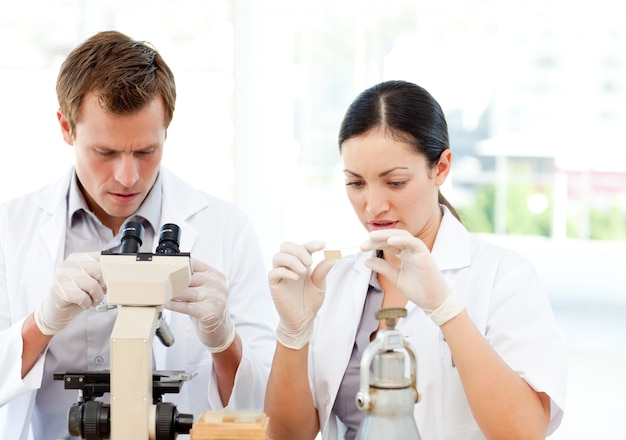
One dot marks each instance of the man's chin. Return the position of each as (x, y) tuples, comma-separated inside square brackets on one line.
[(121, 215)]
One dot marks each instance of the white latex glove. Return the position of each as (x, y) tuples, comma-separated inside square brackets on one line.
[(418, 277), (205, 301), (298, 291), (77, 286)]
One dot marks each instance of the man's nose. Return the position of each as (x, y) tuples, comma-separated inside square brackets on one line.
[(127, 170)]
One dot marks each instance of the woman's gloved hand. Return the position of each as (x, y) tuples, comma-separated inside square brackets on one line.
[(77, 286), (206, 302), (417, 276), (298, 291)]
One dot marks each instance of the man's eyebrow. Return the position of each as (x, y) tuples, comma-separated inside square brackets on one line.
[(113, 150)]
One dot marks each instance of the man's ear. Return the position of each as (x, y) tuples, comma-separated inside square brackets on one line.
[(66, 130), (443, 167)]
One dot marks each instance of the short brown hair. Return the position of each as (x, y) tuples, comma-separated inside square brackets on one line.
[(125, 75)]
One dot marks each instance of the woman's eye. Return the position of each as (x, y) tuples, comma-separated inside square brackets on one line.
[(354, 184), (397, 184)]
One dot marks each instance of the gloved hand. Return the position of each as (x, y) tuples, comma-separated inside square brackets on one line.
[(297, 291), (417, 277), (205, 301), (77, 286)]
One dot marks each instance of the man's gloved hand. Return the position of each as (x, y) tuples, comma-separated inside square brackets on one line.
[(417, 277), (77, 286), (297, 291), (205, 301)]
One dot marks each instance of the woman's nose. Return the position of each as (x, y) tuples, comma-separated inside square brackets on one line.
[(376, 202)]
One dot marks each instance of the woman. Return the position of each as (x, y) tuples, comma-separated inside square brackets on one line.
[(491, 359)]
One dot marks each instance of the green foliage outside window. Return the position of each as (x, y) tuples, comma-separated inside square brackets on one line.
[(520, 220), (605, 223), (479, 216), (608, 224)]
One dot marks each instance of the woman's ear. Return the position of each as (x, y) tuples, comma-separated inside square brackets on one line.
[(66, 130), (443, 167)]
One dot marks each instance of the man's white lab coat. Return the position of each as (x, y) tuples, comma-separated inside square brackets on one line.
[(32, 239)]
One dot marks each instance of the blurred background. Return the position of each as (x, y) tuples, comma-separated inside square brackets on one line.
[(534, 92)]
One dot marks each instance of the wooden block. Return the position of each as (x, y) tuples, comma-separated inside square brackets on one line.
[(216, 425)]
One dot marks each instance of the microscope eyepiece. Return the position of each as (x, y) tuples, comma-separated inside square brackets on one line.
[(169, 239), (169, 242), (132, 237)]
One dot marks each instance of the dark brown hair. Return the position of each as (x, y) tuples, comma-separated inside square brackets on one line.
[(407, 112)]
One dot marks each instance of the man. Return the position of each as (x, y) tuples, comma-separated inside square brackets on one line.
[(116, 99)]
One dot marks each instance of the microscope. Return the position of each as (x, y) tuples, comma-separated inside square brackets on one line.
[(386, 396), (138, 285)]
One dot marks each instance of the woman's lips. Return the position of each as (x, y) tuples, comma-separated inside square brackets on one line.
[(382, 224)]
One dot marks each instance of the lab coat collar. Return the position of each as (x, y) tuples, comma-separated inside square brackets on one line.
[(179, 210), (49, 196), (452, 247), (52, 200)]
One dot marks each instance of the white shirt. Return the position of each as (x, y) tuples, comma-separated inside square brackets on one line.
[(504, 299)]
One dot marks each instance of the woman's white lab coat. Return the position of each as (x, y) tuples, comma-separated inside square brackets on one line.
[(504, 299), (32, 239)]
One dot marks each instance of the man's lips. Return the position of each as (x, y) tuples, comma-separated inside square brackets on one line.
[(124, 198), (382, 224)]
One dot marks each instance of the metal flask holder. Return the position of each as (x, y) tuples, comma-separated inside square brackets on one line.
[(386, 395)]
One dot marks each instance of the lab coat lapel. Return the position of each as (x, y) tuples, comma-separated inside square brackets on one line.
[(179, 209), (452, 247), (336, 332), (52, 201)]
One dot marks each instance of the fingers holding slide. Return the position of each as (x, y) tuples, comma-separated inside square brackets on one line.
[(398, 239), (293, 260)]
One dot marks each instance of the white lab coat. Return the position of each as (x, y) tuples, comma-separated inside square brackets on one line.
[(32, 239), (504, 299)]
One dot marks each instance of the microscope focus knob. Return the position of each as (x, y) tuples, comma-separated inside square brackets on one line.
[(95, 420), (170, 422)]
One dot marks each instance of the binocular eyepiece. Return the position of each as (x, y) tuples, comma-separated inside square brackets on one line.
[(132, 238)]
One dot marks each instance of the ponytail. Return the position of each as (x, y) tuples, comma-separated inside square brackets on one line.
[(444, 201)]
